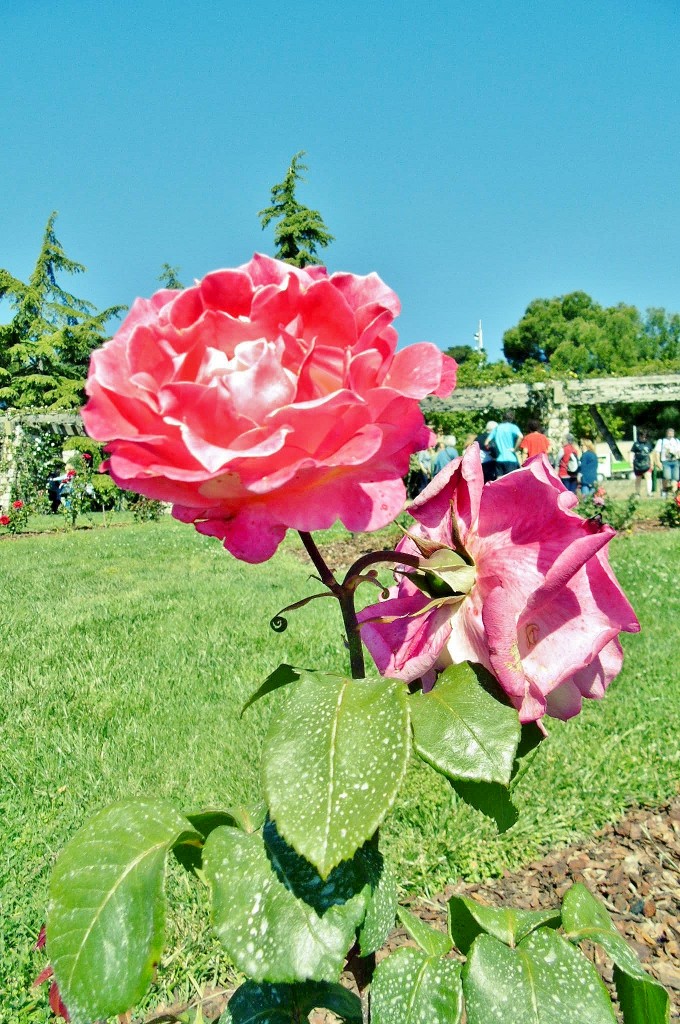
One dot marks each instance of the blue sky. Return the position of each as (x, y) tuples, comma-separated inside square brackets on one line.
[(476, 155)]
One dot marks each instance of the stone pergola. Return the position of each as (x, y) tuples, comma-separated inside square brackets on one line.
[(550, 399)]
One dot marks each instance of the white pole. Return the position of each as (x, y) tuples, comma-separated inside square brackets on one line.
[(479, 338)]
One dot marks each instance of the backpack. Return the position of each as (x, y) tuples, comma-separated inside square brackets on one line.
[(572, 464)]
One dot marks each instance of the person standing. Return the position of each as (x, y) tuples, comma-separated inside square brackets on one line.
[(506, 436), (642, 462), (447, 453), (488, 451), (534, 442), (567, 467), (667, 450), (589, 467)]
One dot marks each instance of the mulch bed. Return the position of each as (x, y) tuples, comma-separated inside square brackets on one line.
[(634, 866)]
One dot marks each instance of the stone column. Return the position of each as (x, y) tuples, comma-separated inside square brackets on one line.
[(11, 434)]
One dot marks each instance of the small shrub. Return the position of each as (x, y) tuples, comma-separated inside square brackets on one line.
[(670, 513), (15, 520), (145, 510), (617, 514)]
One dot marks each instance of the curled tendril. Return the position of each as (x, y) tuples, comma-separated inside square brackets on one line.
[(370, 577), (279, 624)]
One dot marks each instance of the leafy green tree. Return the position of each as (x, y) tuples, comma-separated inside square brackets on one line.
[(45, 348), (300, 231), (168, 277)]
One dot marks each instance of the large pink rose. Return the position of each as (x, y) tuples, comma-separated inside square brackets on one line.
[(522, 585), (264, 398)]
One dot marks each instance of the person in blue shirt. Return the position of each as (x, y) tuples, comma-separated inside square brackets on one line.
[(447, 453), (588, 467), (506, 436)]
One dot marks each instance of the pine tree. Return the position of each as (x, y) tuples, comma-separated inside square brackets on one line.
[(45, 348), (300, 230), (168, 277)]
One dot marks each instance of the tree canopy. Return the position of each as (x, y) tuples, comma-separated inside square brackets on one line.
[(45, 348), (576, 335), (300, 231)]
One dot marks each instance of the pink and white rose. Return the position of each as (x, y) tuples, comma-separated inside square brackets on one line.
[(263, 398), (523, 587)]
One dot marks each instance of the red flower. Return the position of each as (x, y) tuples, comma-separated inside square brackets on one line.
[(71, 473), (87, 456), (17, 504), (4, 520)]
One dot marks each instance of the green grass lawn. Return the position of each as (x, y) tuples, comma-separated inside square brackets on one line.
[(126, 656)]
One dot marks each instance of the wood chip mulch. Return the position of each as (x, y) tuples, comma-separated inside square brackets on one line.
[(634, 867)]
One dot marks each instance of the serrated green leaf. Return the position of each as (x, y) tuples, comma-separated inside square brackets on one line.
[(643, 1000), (462, 731), (281, 676), (268, 930), (431, 940), (490, 798), (380, 913), (410, 987), (283, 1004), (543, 981), (467, 919), (333, 763), (106, 916)]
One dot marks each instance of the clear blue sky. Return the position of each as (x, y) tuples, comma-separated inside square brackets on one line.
[(476, 155)]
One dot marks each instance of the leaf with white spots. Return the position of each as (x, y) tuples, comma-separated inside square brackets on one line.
[(333, 762), (468, 919), (410, 987), (274, 914), (106, 916), (283, 1004), (462, 731), (544, 980), (643, 1000), (381, 912), (431, 940)]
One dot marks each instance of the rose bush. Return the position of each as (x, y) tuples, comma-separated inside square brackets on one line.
[(263, 398), (515, 581)]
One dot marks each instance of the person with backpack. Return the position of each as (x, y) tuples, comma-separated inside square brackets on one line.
[(642, 462), (568, 464)]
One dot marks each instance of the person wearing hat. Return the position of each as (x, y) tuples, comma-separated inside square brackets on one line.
[(567, 467)]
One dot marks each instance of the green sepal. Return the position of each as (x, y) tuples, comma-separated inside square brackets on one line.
[(467, 919), (106, 916), (410, 987), (281, 676), (431, 940), (544, 980), (464, 732), (333, 762), (643, 1000), (289, 1004), (274, 914)]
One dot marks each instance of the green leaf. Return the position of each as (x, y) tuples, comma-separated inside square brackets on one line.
[(333, 762), (543, 981), (490, 798), (281, 676), (462, 731), (380, 913), (642, 998), (262, 894), (106, 916), (283, 1004), (410, 987), (468, 919), (430, 940), (248, 819)]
